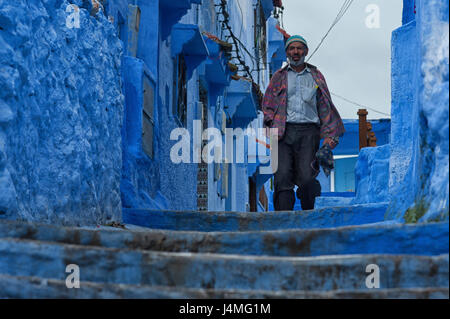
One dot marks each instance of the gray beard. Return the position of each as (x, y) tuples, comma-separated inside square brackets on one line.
[(297, 63)]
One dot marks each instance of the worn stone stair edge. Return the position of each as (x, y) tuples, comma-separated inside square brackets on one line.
[(271, 213), (137, 228), (232, 221), (365, 239), (35, 287), (168, 231), (246, 215), (345, 240), (214, 256), (48, 260), (201, 255)]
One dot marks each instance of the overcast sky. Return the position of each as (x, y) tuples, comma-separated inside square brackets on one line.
[(355, 59)]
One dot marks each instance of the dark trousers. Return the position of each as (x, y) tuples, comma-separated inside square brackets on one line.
[(297, 165)]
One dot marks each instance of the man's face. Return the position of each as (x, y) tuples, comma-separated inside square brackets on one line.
[(296, 51)]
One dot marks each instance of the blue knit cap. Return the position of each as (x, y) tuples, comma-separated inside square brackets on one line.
[(295, 38)]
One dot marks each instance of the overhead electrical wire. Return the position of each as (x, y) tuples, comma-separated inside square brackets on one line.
[(239, 45), (359, 105), (344, 8)]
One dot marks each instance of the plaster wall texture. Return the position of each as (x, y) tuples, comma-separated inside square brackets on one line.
[(157, 182), (140, 172), (241, 20), (372, 175), (418, 163), (178, 182), (61, 112), (420, 190), (434, 101), (404, 108), (141, 177)]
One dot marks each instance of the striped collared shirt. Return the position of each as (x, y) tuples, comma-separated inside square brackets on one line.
[(302, 97)]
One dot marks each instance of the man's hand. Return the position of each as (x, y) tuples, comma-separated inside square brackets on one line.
[(330, 142)]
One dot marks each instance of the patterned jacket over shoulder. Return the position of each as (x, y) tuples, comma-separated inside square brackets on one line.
[(275, 104)]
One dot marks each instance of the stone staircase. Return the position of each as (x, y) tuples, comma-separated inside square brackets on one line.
[(313, 254)]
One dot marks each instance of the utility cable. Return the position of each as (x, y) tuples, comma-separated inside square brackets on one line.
[(359, 105), (345, 6)]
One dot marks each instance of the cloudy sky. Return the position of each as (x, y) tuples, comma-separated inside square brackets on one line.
[(355, 59)]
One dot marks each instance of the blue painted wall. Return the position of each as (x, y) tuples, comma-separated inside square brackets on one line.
[(61, 110), (141, 176), (164, 28), (420, 189), (345, 174), (372, 175), (349, 145), (349, 142), (81, 134), (418, 160)]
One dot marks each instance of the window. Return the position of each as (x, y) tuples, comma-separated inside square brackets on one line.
[(148, 123), (180, 90)]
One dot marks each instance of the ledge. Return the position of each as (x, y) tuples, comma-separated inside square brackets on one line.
[(187, 40), (242, 103), (173, 11), (216, 69)]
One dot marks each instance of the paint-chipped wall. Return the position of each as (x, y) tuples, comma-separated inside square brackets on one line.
[(60, 114), (372, 175), (141, 178), (422, 193), (418, 171)]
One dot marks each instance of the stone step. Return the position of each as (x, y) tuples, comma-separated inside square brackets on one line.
[(138, 267), (328, 201), (235, 221), (416, 239), (35, 287)]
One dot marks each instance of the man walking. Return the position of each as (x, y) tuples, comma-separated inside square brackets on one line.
[(297, 103)]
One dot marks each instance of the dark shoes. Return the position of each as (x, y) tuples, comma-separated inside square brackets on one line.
[(285, 200)]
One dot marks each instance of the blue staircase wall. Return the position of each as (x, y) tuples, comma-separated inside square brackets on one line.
[(419, 175), (61, 110)]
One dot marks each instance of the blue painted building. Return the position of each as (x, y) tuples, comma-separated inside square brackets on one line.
[(61, 113), (92, 97), (120, 77), (178, 66), (187, 53), (88, 104), (412, 172), (93, 90)]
